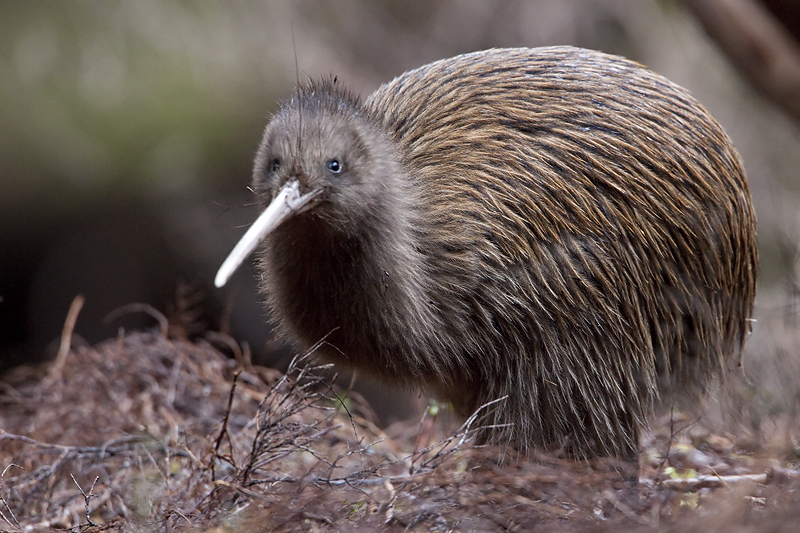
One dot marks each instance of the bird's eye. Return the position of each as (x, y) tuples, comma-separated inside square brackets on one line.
[(274, 166), (334, 166)]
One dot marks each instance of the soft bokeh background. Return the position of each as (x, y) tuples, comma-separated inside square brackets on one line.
[(127, 131)]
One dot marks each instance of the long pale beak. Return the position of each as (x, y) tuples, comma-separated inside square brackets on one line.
[(286, 203)]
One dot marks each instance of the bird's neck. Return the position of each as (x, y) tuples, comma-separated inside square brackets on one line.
[(363, 285)]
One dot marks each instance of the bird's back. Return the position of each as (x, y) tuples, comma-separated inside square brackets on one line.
[(587, 222)]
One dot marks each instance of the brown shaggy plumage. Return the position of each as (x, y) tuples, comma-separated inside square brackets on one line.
[(555, 225)]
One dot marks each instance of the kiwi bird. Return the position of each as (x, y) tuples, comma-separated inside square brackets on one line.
[(558, 227)]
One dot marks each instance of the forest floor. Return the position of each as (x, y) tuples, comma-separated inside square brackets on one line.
[(151, 432)]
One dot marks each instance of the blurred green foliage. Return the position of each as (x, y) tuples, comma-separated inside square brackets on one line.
[(119, 99)]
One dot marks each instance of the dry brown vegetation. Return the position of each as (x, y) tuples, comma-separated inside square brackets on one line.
[(151, 432)]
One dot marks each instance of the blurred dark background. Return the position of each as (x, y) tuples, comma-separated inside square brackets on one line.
[(127, 131)]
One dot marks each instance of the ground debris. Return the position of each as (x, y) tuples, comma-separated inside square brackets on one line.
[(148, 433)]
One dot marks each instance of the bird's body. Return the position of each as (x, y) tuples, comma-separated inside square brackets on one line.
[(555, 225)]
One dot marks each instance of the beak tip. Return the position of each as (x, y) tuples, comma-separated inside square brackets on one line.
[(221, 278)]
